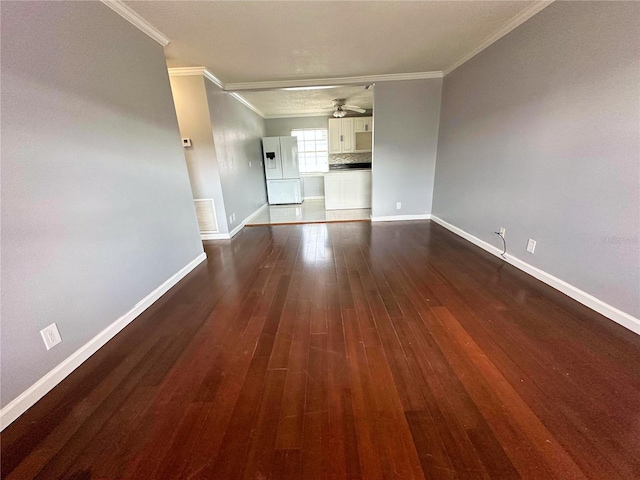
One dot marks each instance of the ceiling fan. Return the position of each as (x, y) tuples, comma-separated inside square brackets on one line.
[(340, 108)]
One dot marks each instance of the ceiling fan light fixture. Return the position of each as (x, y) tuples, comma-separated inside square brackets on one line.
[(339, 113)]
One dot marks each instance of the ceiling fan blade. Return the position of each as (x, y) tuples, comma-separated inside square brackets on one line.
[(353, 108)]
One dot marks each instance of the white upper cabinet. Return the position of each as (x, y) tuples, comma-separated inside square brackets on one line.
[(341, 135), (348, 142), (335, 130), (363, 134), (362, 124), (347, 135)]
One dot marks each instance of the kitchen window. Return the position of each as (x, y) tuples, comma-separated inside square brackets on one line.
[(313, 151)]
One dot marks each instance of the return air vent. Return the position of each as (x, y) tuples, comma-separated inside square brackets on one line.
[(206, 213)]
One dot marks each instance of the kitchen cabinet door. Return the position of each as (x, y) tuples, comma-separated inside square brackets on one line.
[(335, 144), (350, 186), (348, 140), (346, 190), (341, 135), (332, 192), (362, 124)]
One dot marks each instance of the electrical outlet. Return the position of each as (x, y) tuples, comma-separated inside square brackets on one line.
[(250, 165), (51, 336), (398, 205), (531, 246), (230, 218), (502, 231)]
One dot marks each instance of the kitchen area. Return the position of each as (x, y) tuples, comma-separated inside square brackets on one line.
[(334, 154), (347, 185)]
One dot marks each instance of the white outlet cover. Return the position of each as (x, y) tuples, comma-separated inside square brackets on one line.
[(503, 231), (51, 336), (398, 205), (531, 246)]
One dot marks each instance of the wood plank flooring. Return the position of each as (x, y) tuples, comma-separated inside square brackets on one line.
[(346, 351)]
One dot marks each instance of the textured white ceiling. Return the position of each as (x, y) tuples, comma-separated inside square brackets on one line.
[(264, 41), (291, 103)]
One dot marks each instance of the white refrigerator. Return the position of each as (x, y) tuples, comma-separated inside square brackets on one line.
[(281, 170)]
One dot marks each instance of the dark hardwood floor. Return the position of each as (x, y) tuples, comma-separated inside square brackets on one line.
[(348, 350)]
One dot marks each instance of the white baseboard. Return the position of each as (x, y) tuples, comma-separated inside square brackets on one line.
[(235, 231), (318, 197), (214, 236), (401, 218), (39, 389), (609, 311), (232, 233), (244, 222)]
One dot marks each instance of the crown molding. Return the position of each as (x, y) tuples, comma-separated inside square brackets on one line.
[(233, 88), (128, 14), (246, 103), (188, 71), (185, 71), (212, 78), (203, 71), (320, 82), (516, 21)]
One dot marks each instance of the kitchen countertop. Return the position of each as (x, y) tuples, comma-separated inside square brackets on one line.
[(347, 170), (349, 166)]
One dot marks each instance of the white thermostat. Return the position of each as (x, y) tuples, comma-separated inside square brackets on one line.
[(186, 142)]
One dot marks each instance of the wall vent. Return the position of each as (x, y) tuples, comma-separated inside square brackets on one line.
[(206, 213)]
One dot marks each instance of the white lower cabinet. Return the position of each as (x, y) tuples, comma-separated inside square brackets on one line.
[(350, 189)]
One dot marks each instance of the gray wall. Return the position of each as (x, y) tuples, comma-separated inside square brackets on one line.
[(540, 134), (96, 203), (192, 109), (237, 134), (405, 138)]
